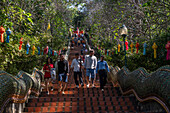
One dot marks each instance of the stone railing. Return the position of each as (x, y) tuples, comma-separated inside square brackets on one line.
[(16, 90), (150, 88)]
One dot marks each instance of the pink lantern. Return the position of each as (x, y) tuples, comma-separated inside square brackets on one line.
[(126, 43), (168, 50)]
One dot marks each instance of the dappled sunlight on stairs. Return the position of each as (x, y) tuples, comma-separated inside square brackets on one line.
[(82, 100)]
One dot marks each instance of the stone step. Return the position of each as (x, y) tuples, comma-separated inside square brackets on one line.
[(80, 99), (86, 108)]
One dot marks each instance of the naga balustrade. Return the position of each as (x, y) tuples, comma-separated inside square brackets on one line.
[(147, 87), (16, 90), (152, 90)]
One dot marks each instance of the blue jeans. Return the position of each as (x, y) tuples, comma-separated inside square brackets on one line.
[(80, 78), (63, 77), (90, 73)]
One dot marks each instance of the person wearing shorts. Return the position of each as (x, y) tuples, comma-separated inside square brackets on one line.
[(62, 73), (90, 64), (47, 76)]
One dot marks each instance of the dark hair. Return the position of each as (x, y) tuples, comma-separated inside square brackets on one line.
[(92, 50), (61, 54), (51, 61), (102, 56), (77, 54)]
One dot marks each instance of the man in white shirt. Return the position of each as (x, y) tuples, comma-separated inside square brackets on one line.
[(90, 64), (77, 65)]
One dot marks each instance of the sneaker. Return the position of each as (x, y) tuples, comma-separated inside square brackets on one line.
[(63, 92), (88, 85), (77, 86), (52, 88), (102, 89), (82, 85), (59, 90), (53, 82), (47, 92), (93, 86)]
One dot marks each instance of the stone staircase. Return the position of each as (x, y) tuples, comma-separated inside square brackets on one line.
[(83, 99)]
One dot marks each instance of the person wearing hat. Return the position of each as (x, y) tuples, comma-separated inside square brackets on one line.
[(101, 71)]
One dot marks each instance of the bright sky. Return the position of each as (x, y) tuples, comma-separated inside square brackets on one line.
[(79, 7)]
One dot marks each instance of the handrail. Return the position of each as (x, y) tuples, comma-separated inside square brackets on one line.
[(154, 86), (16, 89)]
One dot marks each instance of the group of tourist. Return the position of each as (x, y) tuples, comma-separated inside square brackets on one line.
[(88, 64)]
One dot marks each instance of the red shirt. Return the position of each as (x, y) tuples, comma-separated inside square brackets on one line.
[(46, 67)]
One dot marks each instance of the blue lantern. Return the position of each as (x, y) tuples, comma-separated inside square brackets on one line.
[(38, 48), (28, 46), (51, 51), (42, 52), (144, 48), (107, 52), (8, 32), (55, 53)]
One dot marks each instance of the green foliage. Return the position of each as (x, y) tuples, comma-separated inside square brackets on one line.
[(147, 61), (29, 19)]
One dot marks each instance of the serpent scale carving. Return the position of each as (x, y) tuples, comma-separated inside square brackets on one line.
[(16, 89), (146, 86)]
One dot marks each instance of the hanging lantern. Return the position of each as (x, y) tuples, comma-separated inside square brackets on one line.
[(154, 47), (49, 51), (59, 52), (46, 50), (137, 47), (42, 51), (107, 52), (112, 52), (168, 50), (131, 45), (8, 32), (2, 30), (21, 42), (27, 46), (38, 48), (119, 47), (33, 49), (144, 48), (126, 43), (55, 53)]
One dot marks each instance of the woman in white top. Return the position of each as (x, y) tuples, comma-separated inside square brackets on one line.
[(77, 66)]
